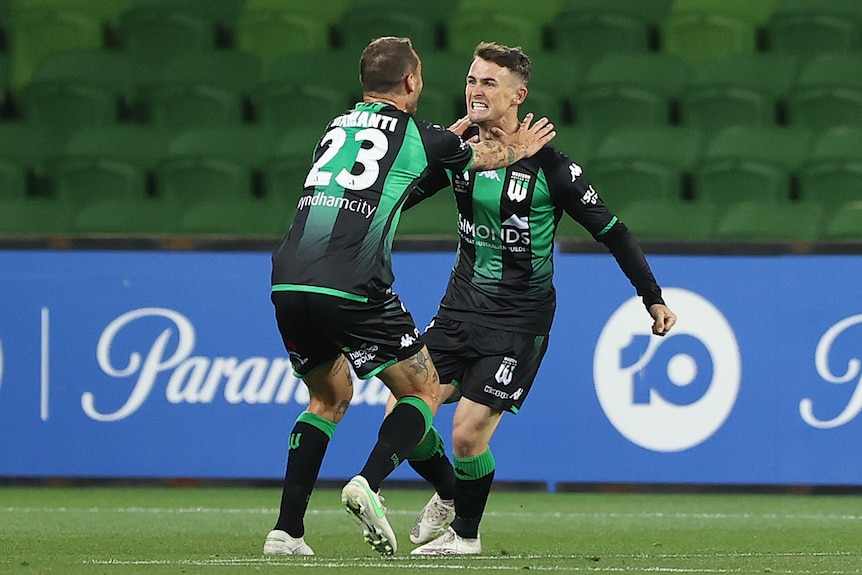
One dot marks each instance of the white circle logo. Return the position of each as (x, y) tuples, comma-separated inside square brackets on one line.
[(672, 393)]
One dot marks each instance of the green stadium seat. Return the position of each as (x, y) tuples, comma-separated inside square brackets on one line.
[(624, 181), (591, 34), (828, 92), (360, 24), (833, 173), (724, 180), (466, 30), (559, 74), (64, 107), (77, 181), (106, 68), (785, 146), (33, 217), (272, 34), (102, 10), (770, 221), (13, 179), (630, 89), (537, 11), (755, 11), (38, 32), (189, 179), (236, 217), (810, 27), (579, 143), (156, 35), (436, 216), (207, 163), (316, 68), (807, 35), (142, 145), (750, 163), (328, 11), (844, 222), (138, 216), (233, 69), (636, 163), (669, 220), (698, 37), (194, 105), (247, 145), (288, 106), (22, 150), (678, 146), (109, 70), (737, 89), (217, 11), (199, 89)]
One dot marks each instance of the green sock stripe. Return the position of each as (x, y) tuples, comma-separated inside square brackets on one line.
[(431, 445), (324, 425), (421, 406), (475, 467)]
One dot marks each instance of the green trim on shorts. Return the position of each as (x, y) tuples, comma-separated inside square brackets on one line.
[(378, 369), (431, 445), (421, 406), (320, 290), (475, 467), (321, 423), (456, 397)]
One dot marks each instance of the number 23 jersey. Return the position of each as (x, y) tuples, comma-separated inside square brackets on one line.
[(365, 166)]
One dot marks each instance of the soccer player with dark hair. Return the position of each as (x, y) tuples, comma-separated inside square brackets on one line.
[(491, 330), (332, 282)]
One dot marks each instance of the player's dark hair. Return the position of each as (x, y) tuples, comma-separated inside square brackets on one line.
[(385, 62), (512, 58)]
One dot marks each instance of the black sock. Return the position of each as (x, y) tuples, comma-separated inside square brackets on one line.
[(430, 462), (399, 434), (474, 476), (308, 442), (437, 470), (470, 504)]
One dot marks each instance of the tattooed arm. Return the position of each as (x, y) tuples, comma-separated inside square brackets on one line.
[(507, 149)]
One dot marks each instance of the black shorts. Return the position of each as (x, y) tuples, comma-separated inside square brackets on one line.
[(316, 328), (490, 366)]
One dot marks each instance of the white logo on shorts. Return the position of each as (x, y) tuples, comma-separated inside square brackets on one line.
[(504, 372), (672, 393)]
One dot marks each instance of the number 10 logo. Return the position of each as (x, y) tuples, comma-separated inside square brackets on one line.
[(672, 393)]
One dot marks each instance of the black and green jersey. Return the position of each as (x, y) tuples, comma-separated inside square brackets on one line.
[(507, 219), (364, 167)]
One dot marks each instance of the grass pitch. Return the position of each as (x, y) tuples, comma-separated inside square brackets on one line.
[(154, 531)]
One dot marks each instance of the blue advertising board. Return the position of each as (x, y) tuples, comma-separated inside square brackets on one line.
[(169, 364)]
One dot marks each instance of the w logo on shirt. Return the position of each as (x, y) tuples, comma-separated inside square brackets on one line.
[(505, 371), (518, 185)]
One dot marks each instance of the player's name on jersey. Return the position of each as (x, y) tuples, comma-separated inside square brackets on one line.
[(362, 119)]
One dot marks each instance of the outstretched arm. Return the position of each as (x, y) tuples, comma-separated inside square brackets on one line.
[(507, 149)]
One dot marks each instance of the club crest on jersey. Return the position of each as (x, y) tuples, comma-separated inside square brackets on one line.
[(518, 185)]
